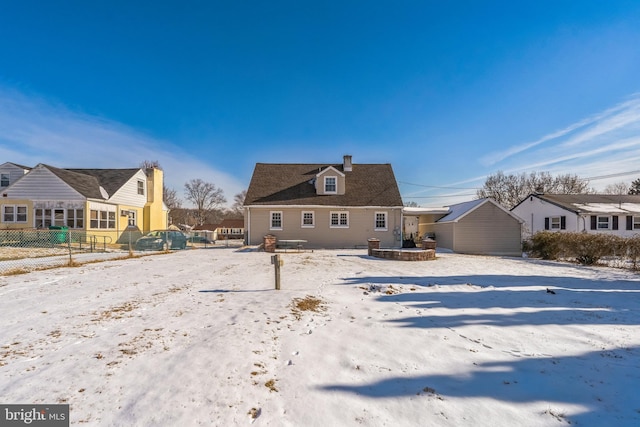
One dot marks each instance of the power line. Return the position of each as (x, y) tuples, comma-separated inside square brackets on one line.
[(435, 186), (437, 197), (613, 175), (594, 178)]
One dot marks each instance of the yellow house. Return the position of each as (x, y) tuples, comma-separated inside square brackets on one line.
[(104, 203)]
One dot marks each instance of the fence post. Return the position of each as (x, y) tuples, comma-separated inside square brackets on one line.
[(69, 247), (277, 262)]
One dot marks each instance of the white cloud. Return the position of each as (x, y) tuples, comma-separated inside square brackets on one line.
[(605, 143), (602, 128), (38, 131)]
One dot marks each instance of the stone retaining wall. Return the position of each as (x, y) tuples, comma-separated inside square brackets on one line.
[(400, 255)]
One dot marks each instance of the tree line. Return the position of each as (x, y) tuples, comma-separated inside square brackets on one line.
[(509, 190), (207, 200)]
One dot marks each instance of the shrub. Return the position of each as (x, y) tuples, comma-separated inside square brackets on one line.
[(545, 245), (585, 248), (633, 250), (588, 248)]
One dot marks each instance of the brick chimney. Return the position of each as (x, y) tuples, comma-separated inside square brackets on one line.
[(347, 166)]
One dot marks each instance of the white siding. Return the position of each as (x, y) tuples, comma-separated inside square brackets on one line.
[(42, 184), (14, 172), (128, 193), (533, 211)]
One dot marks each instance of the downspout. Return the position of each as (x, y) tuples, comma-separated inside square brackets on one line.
[(248, 226), (531, 230), (401, 228)]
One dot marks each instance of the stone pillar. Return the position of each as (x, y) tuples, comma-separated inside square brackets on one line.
[(373, 244), (269, 243), (428, 244)]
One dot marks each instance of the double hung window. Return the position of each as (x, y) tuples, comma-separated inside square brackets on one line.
[(308, 219), (603, 222), (339, 219), (14, 213), (276, 220), (380, 221), (330, 184)]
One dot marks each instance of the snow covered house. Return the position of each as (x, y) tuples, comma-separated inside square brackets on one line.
[(481, 227), (326, 205), (592, 213), (100, 202)]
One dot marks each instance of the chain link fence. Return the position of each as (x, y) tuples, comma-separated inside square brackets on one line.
[(26, 250)]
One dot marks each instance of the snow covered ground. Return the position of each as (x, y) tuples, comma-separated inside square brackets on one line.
[(200, 337)]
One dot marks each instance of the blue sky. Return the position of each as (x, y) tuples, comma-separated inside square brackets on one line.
[(448, 92)]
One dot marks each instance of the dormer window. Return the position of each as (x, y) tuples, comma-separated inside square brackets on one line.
[(330, 184)]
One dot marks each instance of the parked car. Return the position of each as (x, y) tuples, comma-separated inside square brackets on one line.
[(160, 240), (201, 239)]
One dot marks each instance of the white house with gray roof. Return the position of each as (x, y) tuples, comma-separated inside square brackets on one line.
[(591, 213)]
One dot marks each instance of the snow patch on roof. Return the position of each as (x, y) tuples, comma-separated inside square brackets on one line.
[(608, 208), (461, 209)]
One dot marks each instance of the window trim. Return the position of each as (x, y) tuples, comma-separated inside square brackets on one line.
[(103, 220), (77, 219), (386, 221), (635, 222), (339, 214), (313, 219), (43, 217), (599, 223), (15, 214), (5, 180), (140, 187), (271, 217), (335, 184)]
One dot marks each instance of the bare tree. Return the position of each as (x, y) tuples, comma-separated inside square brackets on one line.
[(150, 164), (170, 198), (205, 196), (509, 190), (617, 188), (238, 203)]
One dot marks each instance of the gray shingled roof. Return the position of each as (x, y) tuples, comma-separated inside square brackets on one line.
[(110, 179), (20, 166), (289, 184), (88, 181), (84, 184), (579, 203)]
